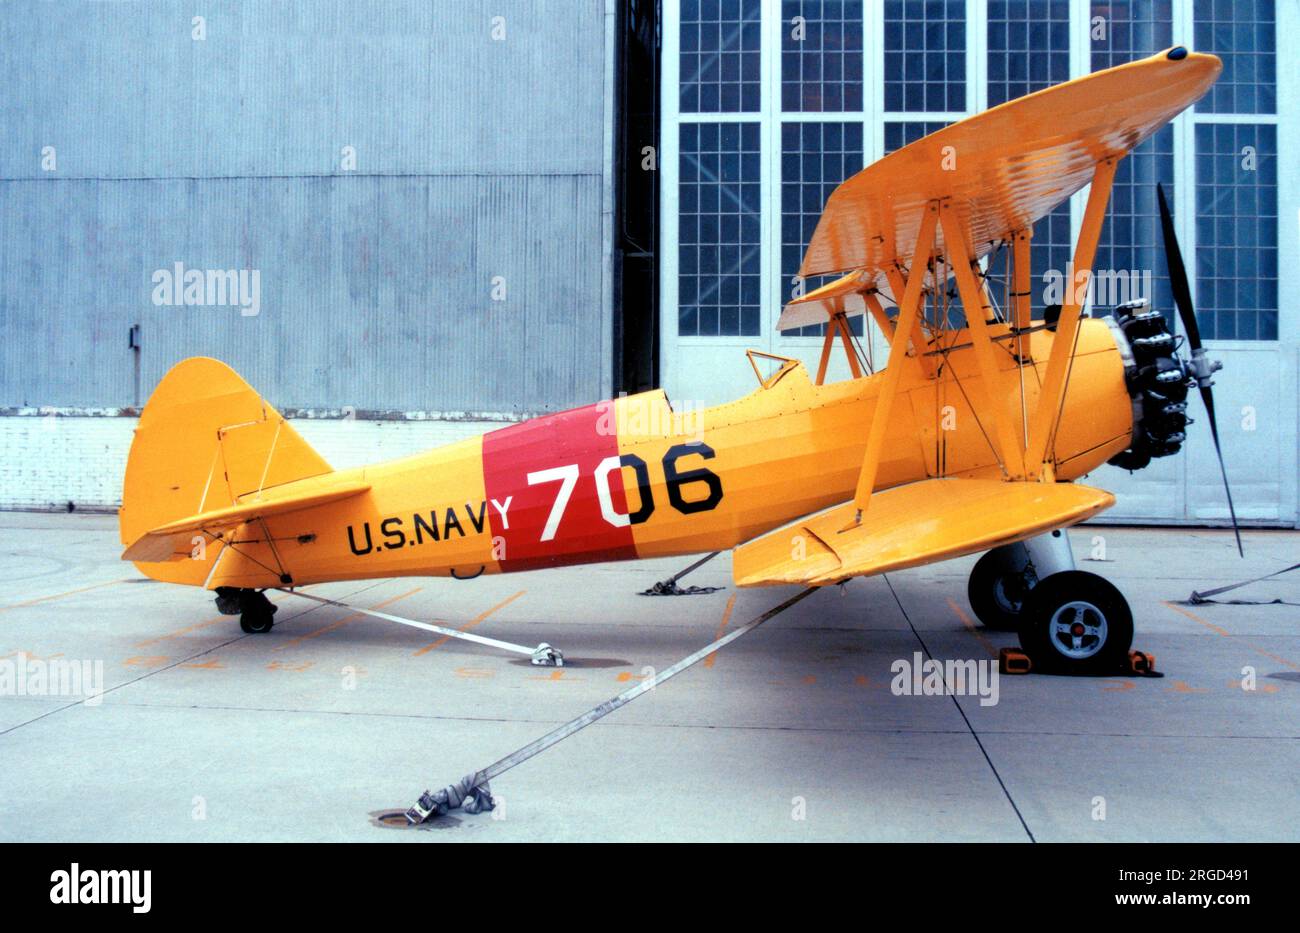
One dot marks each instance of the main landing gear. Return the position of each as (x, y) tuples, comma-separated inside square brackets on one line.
[(1068, 620), (255, 611)]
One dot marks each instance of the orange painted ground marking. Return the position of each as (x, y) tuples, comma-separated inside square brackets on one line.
[(141, 660), (625, 676), (470, 624), (970, 627), (339, 623), (556, 676), (1195, 618), (190, 628), (1123, 686), (472, 672), (293, 668), (1181, 686), (32, 655), (43, 599), (722, 626), (182, 631), (206, 665), (1275, 657), (1214, 628), (1261, 688)]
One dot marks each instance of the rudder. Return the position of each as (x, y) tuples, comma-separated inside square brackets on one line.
[(205, 439)]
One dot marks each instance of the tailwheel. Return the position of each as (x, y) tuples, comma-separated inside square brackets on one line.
[(998, 586), (256, 612), (1076, 622)]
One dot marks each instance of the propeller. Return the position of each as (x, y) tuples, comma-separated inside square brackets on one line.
[(1201, 367)]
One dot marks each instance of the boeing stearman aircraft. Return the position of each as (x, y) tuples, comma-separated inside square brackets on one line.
[(971, 437)]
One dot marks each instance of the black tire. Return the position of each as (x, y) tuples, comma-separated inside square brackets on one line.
[(1076, 622), (256, 623), (258, 615), (997, 591)]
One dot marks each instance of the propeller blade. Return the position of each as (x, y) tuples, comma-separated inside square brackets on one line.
[(1178, 282), (1207, 396), (1201, 367)]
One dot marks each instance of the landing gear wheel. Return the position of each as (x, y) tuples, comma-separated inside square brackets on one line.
[(1076, 622), (997, 590), (257, 613)]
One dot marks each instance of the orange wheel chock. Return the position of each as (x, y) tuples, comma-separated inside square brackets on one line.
[(1141, 662), (1014, 661)]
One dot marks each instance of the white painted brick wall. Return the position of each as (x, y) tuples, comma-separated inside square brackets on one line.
[(47, 462)]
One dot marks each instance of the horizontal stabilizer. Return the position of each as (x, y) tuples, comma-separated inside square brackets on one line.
[(920, 523), (174, 540)]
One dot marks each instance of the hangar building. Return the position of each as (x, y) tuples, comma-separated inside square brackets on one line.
[(406, 222)]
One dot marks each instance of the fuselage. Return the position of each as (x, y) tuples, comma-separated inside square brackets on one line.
[(637, 477)]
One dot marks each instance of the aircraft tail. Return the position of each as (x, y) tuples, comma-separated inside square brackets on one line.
[(205, 440)]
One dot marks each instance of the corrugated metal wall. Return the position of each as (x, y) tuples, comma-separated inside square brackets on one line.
[(476, 158)]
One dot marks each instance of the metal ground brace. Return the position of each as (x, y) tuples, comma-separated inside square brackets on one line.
[(475, 786), (543, 655)]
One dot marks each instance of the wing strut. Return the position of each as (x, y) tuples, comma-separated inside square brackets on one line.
[(977, 315), (909, 305), (1052, 397)]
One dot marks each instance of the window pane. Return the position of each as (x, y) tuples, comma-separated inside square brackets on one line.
[(815, 158), (1029, 47), (1130, 260), (1244, 35), (899, 133), (821, 55), (718, 242), (925, 55), (1124, 30), (1236, 231), (719, 56)]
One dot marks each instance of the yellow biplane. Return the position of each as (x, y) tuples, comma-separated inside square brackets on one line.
[(970, 439)]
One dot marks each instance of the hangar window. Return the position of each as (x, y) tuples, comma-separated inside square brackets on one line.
[(1236, 230), (1130, 253), (821, 55), (1028, 47), (815, 158), (1131, 248), (1244, 34), (1028, 50), (719, 57), (1236, 196), (899, 133), (925, 55), (718, 230), (860, 79)]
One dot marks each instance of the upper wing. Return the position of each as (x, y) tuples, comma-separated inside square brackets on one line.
[(920, 523), (1001, 170)]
